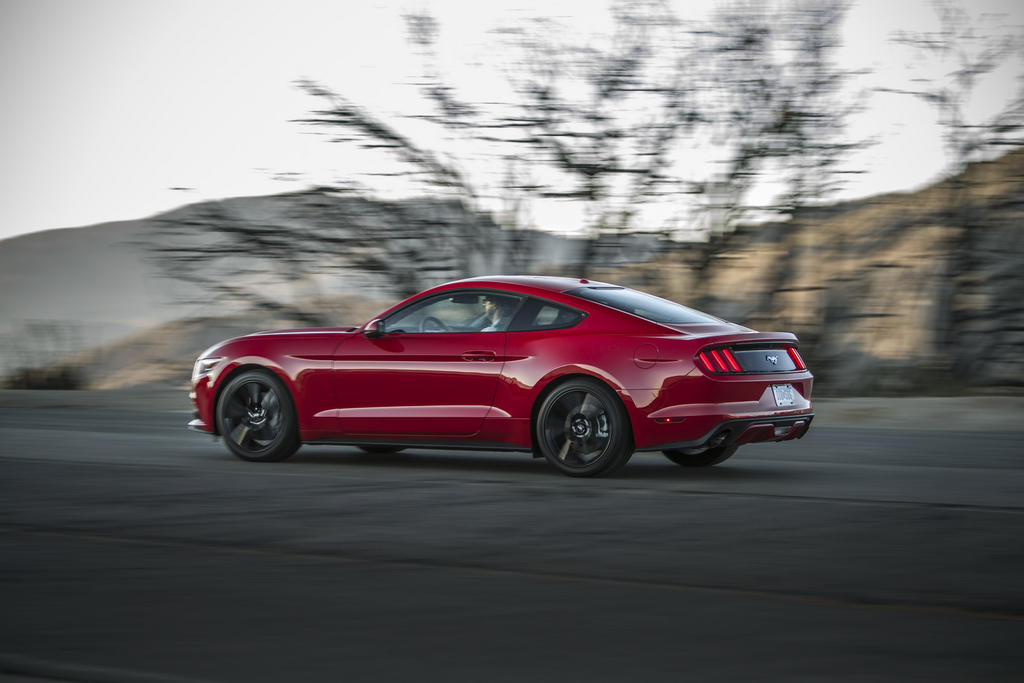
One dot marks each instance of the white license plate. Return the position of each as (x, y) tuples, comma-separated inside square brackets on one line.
[(784, 394)]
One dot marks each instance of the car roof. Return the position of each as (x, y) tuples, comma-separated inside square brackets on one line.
[(543, 282)]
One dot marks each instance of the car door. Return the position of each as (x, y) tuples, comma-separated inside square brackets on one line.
[(429, 370)]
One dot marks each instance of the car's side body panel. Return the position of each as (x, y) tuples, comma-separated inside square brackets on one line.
[(417, 383)]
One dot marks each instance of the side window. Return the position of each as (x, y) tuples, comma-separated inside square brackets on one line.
[(543, 315), (456, 312)]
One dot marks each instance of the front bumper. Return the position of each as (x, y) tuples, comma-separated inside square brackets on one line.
[(197, 424)]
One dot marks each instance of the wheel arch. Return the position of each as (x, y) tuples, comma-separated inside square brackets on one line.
[(225, 379), (556, 382)]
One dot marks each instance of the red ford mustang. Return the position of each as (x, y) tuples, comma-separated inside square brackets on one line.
[(580, 372)]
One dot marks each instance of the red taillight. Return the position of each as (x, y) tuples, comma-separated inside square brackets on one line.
[(718, 361), (708, 367), (733, 365), (797, 360)]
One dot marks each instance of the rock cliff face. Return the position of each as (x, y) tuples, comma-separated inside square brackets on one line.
[(918, 292)]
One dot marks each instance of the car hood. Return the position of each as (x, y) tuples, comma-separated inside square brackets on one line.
[(222, 346), (304, 330)]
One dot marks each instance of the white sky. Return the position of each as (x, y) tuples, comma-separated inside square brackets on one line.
[(108, 104)]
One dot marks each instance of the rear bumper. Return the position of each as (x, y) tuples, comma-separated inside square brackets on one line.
[(747, 430)]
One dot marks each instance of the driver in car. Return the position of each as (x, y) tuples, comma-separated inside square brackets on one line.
[(497, 314)]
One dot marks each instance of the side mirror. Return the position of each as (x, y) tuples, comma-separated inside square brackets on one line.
[(374, 329)]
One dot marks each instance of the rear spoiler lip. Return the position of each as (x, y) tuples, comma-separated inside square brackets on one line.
[(754, 339)]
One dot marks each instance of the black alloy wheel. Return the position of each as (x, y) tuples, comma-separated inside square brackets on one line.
[(711, 456), (256, 417), (582, 429)]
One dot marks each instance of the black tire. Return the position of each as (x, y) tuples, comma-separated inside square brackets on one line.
[(381, 449), (256, 417), (711, 456), (583, 429)]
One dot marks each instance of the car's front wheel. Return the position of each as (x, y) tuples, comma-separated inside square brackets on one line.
[(256, 418), (583, 429), (711, 456)]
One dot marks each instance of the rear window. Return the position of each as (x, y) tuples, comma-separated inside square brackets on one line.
[(643, 305)]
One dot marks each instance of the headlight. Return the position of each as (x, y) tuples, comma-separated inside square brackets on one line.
[(203, 367)]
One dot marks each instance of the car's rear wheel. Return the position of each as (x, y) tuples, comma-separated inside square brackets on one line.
[(256, 418), (711, 456), (583, 429)]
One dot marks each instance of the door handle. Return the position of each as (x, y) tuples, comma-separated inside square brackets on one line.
[(479, 355)]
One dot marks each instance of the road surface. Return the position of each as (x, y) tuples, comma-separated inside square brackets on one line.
[(884, 548)]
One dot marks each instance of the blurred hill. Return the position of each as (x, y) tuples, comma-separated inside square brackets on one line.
[(95, 279), (118, 288), (906, 293), (165, 353)]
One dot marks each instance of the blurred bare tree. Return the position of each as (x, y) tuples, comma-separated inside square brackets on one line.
[(973, 53), (613, 125), (779, 109), (599, 123), (237, 260), (774, 107), (269, 254), (593, 126)]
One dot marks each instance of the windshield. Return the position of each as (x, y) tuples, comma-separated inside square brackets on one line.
[(644, 305)]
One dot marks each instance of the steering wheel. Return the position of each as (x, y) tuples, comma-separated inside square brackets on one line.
[(432, 324)]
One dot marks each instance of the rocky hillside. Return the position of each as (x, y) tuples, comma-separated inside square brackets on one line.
[(917, 292)]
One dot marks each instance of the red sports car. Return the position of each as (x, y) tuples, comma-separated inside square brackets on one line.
[(582, 373)]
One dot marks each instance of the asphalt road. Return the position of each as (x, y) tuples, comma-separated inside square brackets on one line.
[(132, 550)]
